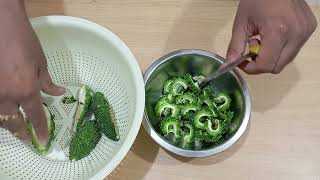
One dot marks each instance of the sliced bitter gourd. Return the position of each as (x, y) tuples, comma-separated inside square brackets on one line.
[(165, 108), (84, 100), (171, 125), (167, 86), (102, 112), (222, 102), (40, 148), (187, 98), (178, 86)]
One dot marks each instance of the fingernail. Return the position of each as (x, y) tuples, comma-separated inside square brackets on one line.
[(43, 140), (62, 89)]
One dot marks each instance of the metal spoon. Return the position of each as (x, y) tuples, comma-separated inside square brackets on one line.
[(230, 65)]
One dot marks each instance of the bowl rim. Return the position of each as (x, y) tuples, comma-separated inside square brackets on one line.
[(206, 152), (58, 20)]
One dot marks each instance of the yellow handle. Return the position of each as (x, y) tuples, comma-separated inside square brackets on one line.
[(254, 50)]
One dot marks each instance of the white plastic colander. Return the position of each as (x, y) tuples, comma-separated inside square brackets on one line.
[(80, 52)]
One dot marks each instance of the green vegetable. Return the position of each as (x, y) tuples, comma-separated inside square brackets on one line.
[(199, 78), (187, 135), (165, 108), (208, 102), (171, 125), (101, 110), (208, 92), (215, 112), (178, 86), (222, 101), (194, 86), (189, 107), (166, 98), (210, 105), (200, 117), (200, 135), (187, 98), (170, 97), (84, 140), (84, 100), (40, 148), (214, 129), (191, 116), (167, 86), (69, 100)]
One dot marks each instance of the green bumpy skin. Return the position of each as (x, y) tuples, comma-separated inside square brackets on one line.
[(227, 120), (194, 86), (84, 101), (215, 112), (178, 86), (202, 135), (101, 110), (84, 140), (208, 92), (214, 132), (187, 98), (42, 149), (204, 113), (189, 107), (222, 101), (165, 108), (171, 125), (188, 135), (208, 103), (225, 114), (166, 99), (167, 86)]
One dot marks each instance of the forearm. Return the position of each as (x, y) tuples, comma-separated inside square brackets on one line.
[(12, 12)]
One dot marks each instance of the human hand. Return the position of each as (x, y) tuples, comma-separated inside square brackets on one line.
[(23, 74), (283, 27)]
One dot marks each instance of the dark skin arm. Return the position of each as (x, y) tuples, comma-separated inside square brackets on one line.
[(23, 72)]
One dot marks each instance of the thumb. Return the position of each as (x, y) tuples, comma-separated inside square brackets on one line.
[(237, 43), (48, 86)]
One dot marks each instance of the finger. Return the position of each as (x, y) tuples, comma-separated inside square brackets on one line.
[(289, 53), (35, 114), (272, 43), (48, 86), (16, 125), (287, 56), (8, 108), (18, 128), (238, 41)]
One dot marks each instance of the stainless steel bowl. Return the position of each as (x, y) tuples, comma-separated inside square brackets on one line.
[(196, 61)]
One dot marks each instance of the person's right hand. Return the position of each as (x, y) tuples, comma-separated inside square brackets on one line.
[(284, 26), (23, 73)]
